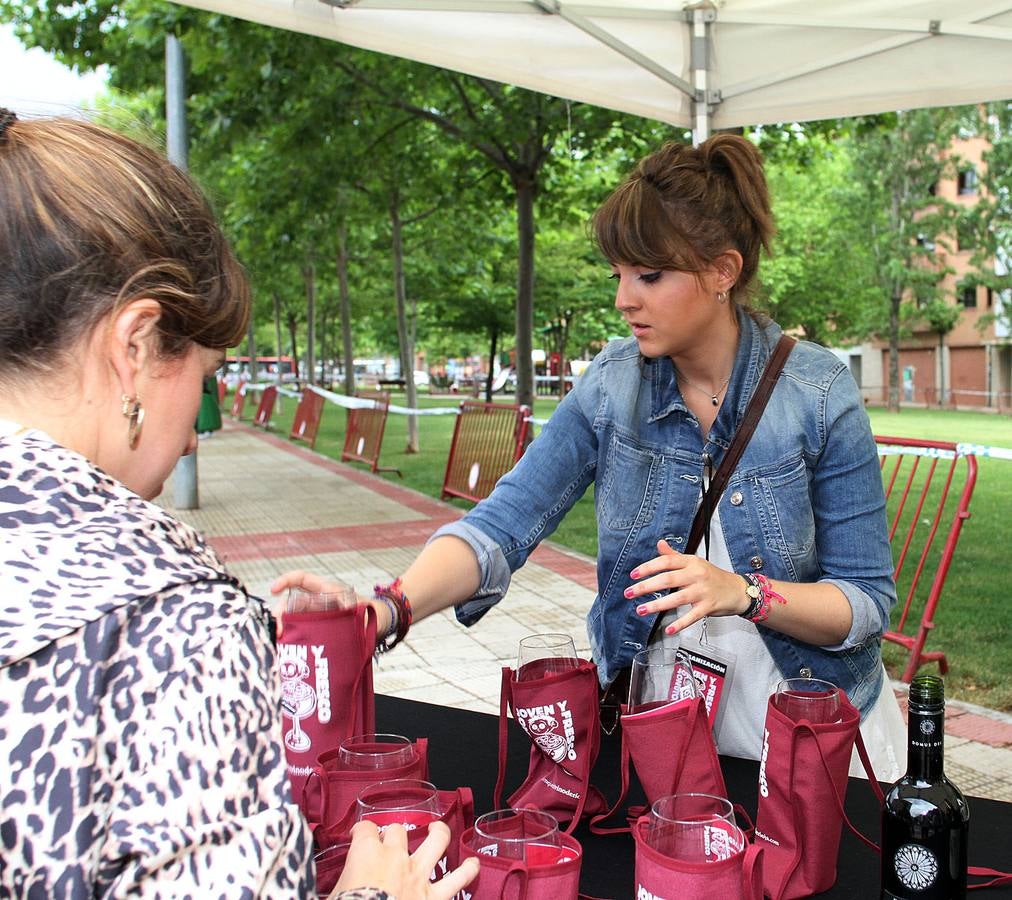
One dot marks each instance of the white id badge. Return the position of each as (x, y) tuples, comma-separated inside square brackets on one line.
[(714, 671)]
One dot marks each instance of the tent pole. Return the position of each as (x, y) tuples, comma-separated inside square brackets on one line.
[(701, 18)]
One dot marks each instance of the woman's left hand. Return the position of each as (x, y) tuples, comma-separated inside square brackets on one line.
[(690, 580)]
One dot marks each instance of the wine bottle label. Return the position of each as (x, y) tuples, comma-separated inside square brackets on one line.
[(926, 731), (916, 867)]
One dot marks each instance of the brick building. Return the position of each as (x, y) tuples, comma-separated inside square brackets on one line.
[(973, 367)]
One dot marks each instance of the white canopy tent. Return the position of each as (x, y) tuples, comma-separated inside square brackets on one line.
[(701, 65)]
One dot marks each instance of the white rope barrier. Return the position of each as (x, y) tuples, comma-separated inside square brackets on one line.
[(962, 449)]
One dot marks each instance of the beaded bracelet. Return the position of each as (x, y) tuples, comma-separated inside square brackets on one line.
[(400, 606)]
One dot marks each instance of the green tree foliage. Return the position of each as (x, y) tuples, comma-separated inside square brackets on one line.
[(820, 278), (898, 161)]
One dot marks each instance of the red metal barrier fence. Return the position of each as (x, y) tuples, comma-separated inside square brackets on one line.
[(364, 435), (926, 495), (239, 400), (306, 423), (488, 439), (265, 409)]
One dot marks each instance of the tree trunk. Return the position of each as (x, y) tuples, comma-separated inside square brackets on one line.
[(894, 351), (277, 335), (525, 292), (404, 344), (251, 350), (309, 279), (491, 365), (941, 369), (293, 337), (347, 351)]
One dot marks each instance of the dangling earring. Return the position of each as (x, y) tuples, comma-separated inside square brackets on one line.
[(134, 413), (722, 296)]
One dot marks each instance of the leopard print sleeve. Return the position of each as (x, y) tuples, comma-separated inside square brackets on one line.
[(140, 719), (200, 801)]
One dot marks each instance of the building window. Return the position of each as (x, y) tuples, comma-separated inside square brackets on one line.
[(926, 242), (969, 297), (990, 298), (968, 181)]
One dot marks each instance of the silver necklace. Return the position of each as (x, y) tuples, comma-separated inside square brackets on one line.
[(713, 397)]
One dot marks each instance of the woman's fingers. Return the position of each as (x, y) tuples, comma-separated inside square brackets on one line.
[(294, 579), (433, 848), (453, 882), (397, 837)]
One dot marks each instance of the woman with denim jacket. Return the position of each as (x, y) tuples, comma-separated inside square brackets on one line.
[(802, 517)]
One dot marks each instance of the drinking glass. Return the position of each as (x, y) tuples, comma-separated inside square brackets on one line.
[(696, 828), (660, 676), (526, 834), (545, 654), (300, 600), (376, 751), (400, 801), (811, 699)]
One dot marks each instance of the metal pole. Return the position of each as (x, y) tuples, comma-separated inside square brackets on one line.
[(699, 62), (185, 492)]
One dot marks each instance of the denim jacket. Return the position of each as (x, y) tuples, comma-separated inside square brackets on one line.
[(804, 504)]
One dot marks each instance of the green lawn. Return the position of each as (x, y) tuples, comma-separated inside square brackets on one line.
[(974, 617)]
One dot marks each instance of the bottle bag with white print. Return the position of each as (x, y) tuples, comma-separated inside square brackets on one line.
[(325, 664), (552, 874), (672, 749), (558, 711), (456, 812), (733, 873), (803, 772)]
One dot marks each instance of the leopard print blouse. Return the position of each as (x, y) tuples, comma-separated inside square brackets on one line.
[(140, 730)]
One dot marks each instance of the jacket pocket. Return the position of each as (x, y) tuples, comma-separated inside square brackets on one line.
[(784, 509), (625, 496)]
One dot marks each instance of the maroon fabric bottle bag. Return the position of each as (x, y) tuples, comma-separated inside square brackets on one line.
[(331, 788), (553, 875), (672, 750), (456, 811), (739, 877), (325, 664), (803, 770), (558, 711)]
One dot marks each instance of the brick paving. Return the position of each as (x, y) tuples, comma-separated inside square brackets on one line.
[(270, 506)]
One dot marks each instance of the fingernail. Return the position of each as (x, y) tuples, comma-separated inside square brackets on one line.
[(628, 593), (635, 573), (670, 629), (642, 610)]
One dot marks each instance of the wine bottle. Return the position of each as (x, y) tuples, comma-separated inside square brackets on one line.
[(925, 819)]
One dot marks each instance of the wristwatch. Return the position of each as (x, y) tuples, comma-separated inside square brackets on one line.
[(754, 592)]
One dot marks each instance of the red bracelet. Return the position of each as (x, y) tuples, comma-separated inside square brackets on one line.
[(393, 595)]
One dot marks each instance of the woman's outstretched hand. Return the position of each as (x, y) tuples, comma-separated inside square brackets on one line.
[(382, 861), (316, 584), (687, 580)]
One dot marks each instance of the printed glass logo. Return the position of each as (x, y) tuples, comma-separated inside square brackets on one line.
[(916, 867)]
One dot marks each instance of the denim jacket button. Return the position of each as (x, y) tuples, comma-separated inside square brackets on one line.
[(805, 672), (736, 498), (756, 562)]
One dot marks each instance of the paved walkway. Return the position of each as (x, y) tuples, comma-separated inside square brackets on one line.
[(269, 506)]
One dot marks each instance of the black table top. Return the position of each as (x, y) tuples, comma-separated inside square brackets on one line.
[(463, 749)]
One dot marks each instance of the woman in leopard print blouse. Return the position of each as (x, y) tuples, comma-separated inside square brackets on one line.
[(140, 726)]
